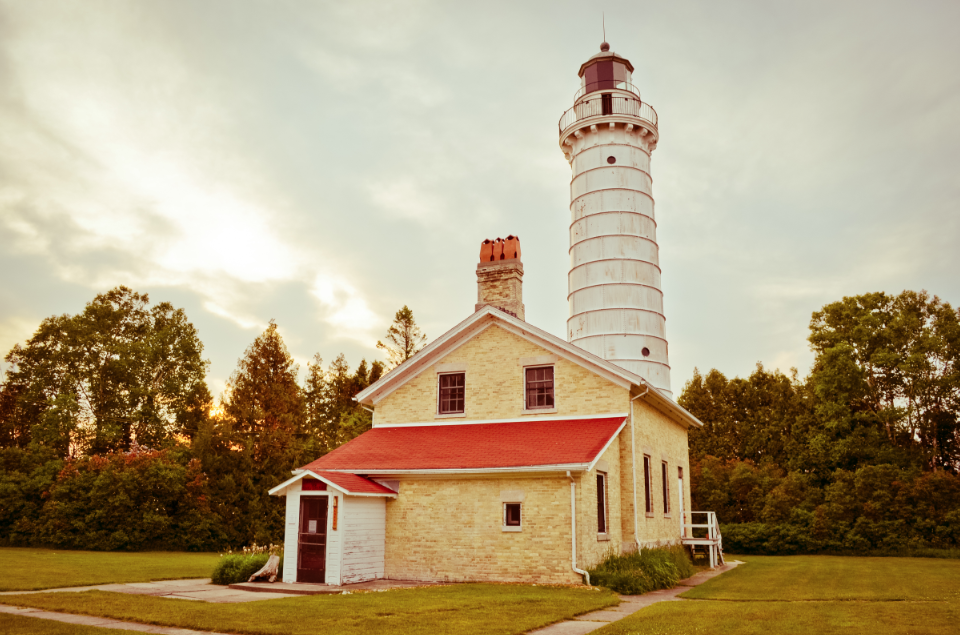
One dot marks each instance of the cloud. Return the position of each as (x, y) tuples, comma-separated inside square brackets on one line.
[(344, 308)]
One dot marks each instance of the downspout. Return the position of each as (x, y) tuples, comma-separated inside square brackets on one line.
[(573, 526), (633, 453)]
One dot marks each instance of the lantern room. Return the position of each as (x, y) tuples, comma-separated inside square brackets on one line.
[(605, 71)]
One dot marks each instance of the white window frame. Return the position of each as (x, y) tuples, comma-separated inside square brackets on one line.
[(543, 409), (447, 415)]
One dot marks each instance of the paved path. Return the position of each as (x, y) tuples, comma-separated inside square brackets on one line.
[(629, 605), (102, 622), (199, 589)]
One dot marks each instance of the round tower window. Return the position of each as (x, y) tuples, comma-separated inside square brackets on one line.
[(611, 159), (645, 351)]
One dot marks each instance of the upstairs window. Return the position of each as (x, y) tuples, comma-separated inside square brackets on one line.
[(451, 396), (539, 387)]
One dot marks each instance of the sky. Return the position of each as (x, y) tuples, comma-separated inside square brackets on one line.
[(323, 164)]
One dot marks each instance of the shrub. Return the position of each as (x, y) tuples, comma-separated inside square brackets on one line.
[(238, 567), (641, 572)]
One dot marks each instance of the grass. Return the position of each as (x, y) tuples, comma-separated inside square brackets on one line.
[(455, 609), (790, 618), (791, 578), (797, 595), (36, 569), (35, 626)]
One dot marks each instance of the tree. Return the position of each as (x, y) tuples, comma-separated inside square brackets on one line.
[(891, 364), (404, 338), (760, 418), (333, 417), (263, 400), (94, 382)]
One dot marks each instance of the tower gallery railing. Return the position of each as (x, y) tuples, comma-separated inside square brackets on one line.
[(608, 104)]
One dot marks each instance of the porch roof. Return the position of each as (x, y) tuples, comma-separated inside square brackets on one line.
[(540, 444), (351, 484)]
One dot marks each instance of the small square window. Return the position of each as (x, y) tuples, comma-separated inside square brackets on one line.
[(511, 514), (451, 393), (539, 387)]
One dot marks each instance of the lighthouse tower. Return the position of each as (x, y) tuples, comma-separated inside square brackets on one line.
[(616, 303)]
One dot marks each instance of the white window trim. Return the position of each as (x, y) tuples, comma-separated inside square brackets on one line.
[(450, 415), (523, 371), (503, 515)]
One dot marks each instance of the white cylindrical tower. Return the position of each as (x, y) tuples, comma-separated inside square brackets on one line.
[(616, 304)]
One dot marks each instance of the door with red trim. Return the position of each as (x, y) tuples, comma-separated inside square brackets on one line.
[(312, 544)]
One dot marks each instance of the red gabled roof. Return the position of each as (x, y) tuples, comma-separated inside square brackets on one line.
[(527, 443), (353, 484)]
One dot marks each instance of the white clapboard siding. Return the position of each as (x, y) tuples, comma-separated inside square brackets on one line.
[(364, 533), (290, 534), (334, 541)]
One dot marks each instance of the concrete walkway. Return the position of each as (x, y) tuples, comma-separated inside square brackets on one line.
[(630, 604), (102, 622), (303, 588), (198, 589)]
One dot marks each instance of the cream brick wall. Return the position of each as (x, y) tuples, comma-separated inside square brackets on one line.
[(494, 384), (451, 529), (658, 436)]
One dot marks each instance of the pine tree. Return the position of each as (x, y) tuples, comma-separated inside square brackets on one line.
[(404, 338), (264, 402)]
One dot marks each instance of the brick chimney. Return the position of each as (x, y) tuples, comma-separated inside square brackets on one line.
[(500, 276)]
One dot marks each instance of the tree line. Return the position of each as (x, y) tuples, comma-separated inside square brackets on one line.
[(111, 439), (862, 455)]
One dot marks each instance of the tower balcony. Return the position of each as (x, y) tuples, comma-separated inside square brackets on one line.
[(621, 103)]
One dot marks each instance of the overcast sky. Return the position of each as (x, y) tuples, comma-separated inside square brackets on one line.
[(325, 163)]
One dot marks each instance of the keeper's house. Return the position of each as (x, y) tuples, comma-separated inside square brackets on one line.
[(499, 452)]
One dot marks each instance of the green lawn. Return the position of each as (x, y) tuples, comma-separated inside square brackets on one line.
[(798, 595), (34, 626), (35, 569), (790, 618), (456, 609), (834, 578)]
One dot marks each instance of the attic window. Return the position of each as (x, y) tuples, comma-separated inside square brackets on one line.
[(539, 387), (451, 395)]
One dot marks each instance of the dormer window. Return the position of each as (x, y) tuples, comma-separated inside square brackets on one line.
[(539, 387), (451, 393)]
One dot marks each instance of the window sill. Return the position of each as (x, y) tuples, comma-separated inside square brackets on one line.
[(453, 415), (666, 515), (505, 528), (650, 514), (539, 411), (603, 537)]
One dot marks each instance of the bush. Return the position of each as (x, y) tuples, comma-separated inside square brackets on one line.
[(238, 567), (641, 572)]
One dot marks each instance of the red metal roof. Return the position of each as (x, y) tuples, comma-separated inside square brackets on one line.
[(352, 483), (528, 443)]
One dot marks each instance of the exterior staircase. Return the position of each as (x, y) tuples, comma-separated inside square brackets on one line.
[(705, 536)]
